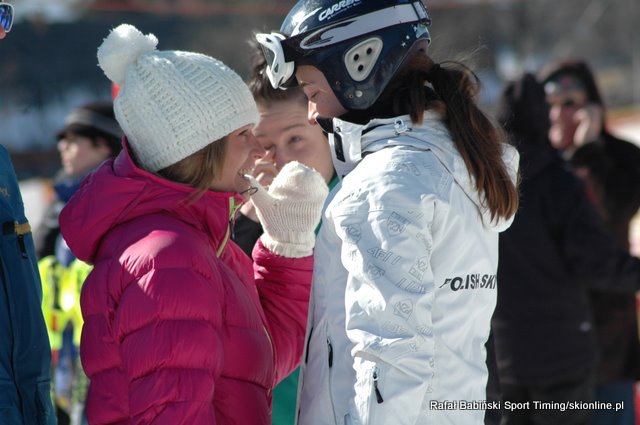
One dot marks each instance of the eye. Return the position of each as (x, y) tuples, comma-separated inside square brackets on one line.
[(295, 139), (310, 94)]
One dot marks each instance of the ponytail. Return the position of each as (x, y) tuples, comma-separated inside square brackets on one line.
[(476, 138)]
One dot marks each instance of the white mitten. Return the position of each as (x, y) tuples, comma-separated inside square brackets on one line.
[(290, 210)]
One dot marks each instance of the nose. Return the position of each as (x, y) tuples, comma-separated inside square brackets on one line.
[(280, 160), (270, 153), (555, 112), (257, 151), (312, 113)]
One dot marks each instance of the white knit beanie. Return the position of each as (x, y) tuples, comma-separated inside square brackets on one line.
[(171, 104)]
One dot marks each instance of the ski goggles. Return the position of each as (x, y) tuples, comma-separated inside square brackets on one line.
[(282, 52), (279, 71), (6, 16)]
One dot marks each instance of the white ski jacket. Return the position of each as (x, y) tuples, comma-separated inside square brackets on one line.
[(404, 282)]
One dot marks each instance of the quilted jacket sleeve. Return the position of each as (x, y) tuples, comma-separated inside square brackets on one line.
[(284, 285), (167, 324)]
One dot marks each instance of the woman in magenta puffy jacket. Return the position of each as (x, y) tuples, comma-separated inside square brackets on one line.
[(180, 326)]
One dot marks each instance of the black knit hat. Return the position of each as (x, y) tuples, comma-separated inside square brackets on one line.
[(94, 120)]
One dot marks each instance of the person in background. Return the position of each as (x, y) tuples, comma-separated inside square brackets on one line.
[(610, 168), (556, 250), (90, 136), (25, 355), (178, 328), (286, 135), (405, 261)]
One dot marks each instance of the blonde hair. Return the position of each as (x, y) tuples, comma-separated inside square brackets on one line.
[(198, 170)]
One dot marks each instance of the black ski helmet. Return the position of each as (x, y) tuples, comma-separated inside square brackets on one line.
[(358, 45)]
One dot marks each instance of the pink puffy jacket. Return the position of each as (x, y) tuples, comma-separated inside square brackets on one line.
[(180, 326)]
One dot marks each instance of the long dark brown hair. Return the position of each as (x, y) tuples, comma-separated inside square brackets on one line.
[(452, 91)]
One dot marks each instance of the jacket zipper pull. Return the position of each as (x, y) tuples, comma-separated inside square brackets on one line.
[(330, 352), (233, 209), (400, 127), (19, 229), (379, 398), (23, 247)]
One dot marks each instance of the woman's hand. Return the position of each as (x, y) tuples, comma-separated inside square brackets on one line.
[(290, 209)]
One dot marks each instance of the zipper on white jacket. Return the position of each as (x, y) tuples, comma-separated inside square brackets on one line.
[(330, 354), (379, 398), (306, 357)]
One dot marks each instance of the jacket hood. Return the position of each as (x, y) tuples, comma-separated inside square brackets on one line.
[(118, 191), (351, 142)]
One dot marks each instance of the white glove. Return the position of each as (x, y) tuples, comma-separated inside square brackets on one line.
[(290, 210)]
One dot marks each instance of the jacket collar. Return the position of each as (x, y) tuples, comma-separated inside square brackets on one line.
[(118, 192), (350, 142)]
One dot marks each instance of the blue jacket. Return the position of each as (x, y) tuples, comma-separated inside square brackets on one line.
[(25, 356)]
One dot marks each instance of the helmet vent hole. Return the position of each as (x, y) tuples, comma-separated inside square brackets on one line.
[(360, 59)]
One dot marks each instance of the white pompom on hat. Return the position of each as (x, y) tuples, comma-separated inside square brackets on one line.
[(171, 104)]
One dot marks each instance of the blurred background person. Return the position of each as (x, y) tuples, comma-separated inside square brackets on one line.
[(556, 249), (286, 135), (90, 135), (610, 169), (25, 355)]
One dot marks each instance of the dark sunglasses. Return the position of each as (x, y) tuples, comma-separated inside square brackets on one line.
[(569, 103), (6, 16)]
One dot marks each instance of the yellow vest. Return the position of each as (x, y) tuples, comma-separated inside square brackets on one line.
[(61, 288)]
